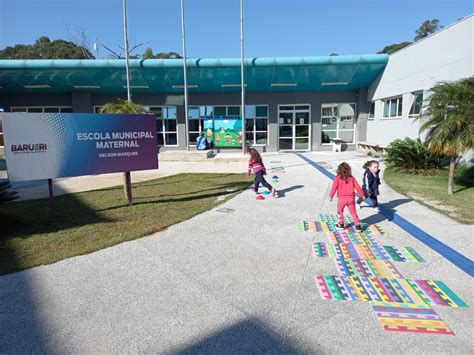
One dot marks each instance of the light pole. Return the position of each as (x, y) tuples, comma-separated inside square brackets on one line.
[(183, 39), (125, 34), (242, 76), (127, 177)]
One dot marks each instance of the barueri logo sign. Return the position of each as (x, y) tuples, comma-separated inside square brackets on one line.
[(28, 148), (74, 144)]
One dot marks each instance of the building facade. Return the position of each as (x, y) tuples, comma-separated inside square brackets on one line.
[(291, 103)]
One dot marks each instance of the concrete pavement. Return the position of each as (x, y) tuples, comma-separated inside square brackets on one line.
[(235, 282)]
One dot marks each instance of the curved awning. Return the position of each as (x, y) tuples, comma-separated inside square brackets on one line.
[(205, 75)]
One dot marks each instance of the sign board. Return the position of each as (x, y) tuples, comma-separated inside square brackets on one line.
[(52, 145), (226, 131)]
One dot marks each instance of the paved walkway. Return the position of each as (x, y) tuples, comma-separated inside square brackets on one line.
[(231, 282)]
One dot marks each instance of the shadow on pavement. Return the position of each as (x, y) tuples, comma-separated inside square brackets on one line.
[(24, 327), (246, 337), (282, 193), (388, 209)]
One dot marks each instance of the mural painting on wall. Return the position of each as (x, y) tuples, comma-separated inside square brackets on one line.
[(224, 131)]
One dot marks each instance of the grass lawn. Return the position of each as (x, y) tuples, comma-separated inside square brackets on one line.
[(89, 221), (432, 191)]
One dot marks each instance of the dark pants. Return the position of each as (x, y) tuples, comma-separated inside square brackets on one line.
[(375, 202), (259, 179)]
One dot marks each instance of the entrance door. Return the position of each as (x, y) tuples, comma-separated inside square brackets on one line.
[(294, 127)]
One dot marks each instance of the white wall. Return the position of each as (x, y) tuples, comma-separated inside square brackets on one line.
[(446, 55)]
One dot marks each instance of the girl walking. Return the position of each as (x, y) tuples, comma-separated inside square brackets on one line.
[(370, 183), (256, 164), (345, 184)]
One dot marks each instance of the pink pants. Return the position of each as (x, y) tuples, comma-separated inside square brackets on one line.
[(348, 201)]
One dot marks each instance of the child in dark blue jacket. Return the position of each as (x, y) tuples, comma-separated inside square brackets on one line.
[(371, 182)]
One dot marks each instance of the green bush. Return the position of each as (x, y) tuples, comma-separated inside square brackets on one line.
[(413, 156), (5, 193)]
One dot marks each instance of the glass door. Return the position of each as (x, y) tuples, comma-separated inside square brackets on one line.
[(294, 127)]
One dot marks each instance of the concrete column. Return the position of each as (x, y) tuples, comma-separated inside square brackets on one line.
[(316, 123), (82, 102), (362, 113), (272, 127), (181, 128)]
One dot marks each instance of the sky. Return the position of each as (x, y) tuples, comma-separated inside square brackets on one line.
[(273, 28)]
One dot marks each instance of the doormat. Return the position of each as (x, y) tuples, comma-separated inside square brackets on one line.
[(406, 318), (407, 291)]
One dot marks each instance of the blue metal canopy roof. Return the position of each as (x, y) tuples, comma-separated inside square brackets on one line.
[(204, 75)]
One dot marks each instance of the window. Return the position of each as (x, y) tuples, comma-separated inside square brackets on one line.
[(1, 131), (256, 124), (233, 111), (48, 109), (417, 103), (392, 108), (371, 111), (338, 121), (166, 124), (220, 111), (196, 117)]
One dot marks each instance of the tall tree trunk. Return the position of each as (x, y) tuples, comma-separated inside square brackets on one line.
[(452, 167), (127, 187)]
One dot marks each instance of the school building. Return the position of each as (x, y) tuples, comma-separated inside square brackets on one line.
[(292, 103)]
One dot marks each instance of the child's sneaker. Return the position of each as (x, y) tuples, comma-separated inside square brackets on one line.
[(340, 226), (359, 206), (359, 228)]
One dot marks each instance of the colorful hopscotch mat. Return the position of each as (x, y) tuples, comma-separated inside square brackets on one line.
[(406, 291), (351, 237), (407, 318), (367, 251), (367, 268), (327, 225), (325, 164), (278, 169), (331, 220)]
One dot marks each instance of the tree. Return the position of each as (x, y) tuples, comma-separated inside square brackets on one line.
[(121, 107), (394, 47), (44, 48), (163, 55), (448, 121), (427, 28), (79, 38)]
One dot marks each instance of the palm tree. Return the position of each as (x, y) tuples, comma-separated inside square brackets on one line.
[(448, 121), (124, 107)]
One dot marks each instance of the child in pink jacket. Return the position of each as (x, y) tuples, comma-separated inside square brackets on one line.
[(345, 184)]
